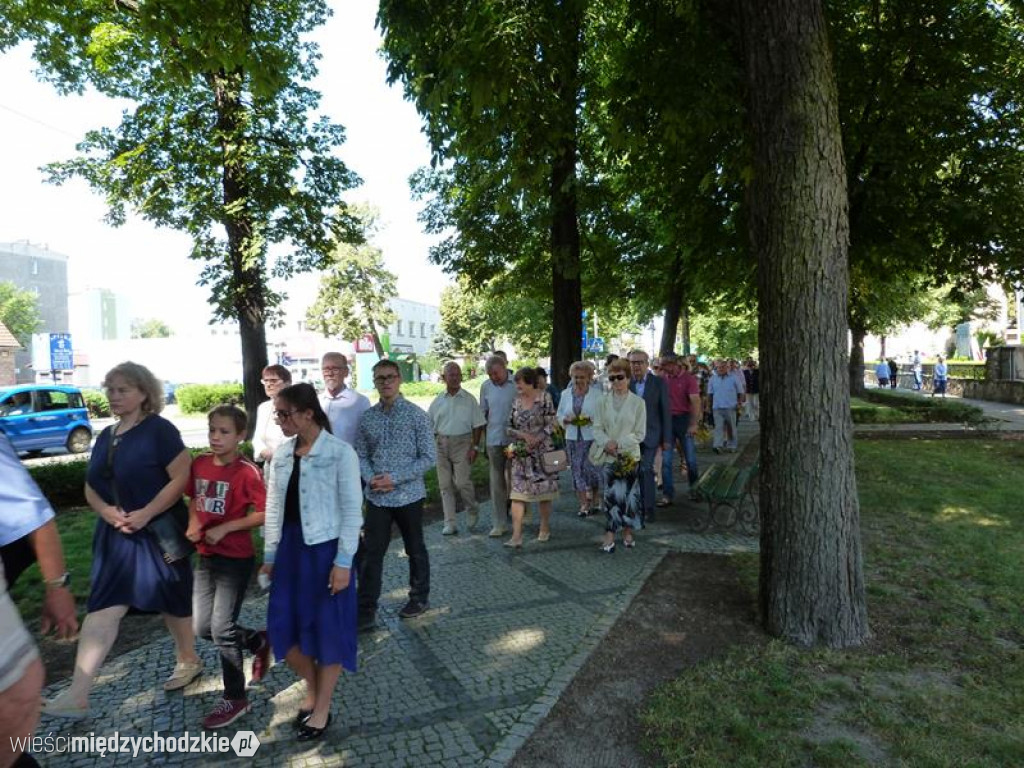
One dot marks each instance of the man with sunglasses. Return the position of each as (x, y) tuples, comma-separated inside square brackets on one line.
[(343, 405), (395, 444)]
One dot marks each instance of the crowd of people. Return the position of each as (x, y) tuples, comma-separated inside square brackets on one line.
[(331, 474)]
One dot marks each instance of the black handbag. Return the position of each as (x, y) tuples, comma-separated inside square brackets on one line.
[(168, 528)]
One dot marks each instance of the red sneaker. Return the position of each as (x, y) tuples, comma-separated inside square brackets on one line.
[(261, 659), (225, 713)]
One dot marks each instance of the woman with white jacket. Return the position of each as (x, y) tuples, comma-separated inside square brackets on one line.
[(576, 410), (620, 424), (314, 512)]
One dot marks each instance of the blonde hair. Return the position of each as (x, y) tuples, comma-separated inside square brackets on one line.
[(582, 365), (621, 365), (142, 378)]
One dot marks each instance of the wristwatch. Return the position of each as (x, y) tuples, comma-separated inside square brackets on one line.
[(61, 581)]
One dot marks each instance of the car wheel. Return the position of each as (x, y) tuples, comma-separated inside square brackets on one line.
[(79, 440)]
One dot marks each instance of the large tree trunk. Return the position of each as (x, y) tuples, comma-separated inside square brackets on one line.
[(684, 329), (566, 286), (856, 367), (247, 279), (673, 308), (566, 283), (812, 585)]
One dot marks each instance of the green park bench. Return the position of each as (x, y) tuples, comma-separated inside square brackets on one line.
[(727, 486)]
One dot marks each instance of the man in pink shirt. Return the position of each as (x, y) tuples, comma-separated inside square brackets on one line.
[(684, 404)]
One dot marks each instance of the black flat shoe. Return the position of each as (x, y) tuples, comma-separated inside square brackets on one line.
[(309, 733), (301, 717)]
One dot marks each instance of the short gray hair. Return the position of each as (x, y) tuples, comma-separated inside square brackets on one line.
[(494, 360)]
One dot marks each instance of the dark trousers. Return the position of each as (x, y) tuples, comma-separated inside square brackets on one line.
[(680, 434), (218, 592), (648, 487), (374, 545)]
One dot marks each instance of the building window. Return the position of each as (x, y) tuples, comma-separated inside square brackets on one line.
[(412, 329), (432, 331), (423, 330), (398, 328)]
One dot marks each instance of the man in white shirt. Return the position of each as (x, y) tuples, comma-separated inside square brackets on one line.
[(342, 405), (458, 426)]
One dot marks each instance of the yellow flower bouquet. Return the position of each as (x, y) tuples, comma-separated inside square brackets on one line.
[(624, 465), (580, 421), (517, 449)]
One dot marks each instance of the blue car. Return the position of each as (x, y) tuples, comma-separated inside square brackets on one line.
[(39, 416)]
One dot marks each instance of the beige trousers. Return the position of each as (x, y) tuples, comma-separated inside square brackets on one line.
[(499, 485), (453, 475)]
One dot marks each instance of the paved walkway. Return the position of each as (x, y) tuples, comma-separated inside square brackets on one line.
[(466, 684), (1006, 417)]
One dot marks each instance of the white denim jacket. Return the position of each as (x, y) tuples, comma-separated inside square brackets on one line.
[(330, 496)]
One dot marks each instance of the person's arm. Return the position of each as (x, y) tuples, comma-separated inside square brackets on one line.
[(177, 471), (639, 430), (251, 489), (362, 447), (194, 532), (108, 512), (271, 519), (694, 413), (58, 612), (259, 444), (603, 444), (665, 414)]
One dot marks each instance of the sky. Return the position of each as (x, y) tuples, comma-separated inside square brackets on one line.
[(384, 145)]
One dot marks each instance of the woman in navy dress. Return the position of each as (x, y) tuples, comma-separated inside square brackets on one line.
[(138, 469), (314, 512)]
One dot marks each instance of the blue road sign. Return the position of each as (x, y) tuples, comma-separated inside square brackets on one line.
[(62, 358)]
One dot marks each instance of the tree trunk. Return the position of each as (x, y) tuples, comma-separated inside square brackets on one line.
[(881, 354), (673, 308), (684, 329), (857, 332), (246, 280), (566, 283), (811, 585)]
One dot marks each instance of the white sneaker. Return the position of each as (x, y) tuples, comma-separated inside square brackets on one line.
[(496, 531), (449, 530)]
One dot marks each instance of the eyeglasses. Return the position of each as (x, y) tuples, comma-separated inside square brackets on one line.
[(617, 377), (385, 379), (333, 369), (283, 415), (638, 362)]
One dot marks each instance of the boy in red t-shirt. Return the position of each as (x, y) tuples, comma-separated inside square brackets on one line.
[(228, 501)]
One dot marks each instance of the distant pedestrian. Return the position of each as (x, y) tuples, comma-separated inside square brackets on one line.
[(752, 377), (939, 377), (531, 426), (228, 502), (576, 414), (496, 396), (725, 393), (684, 403), (918, 371), (894, 373), (651, 389), (882, 374), (459, 426), (395, 444)]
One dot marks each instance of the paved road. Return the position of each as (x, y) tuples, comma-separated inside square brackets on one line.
[(464, 685)]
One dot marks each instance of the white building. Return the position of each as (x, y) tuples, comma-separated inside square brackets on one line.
[(415, 328)]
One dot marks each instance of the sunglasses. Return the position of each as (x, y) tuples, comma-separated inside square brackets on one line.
[(617, 377)]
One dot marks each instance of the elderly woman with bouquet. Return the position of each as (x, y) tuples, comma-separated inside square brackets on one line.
[(576, 410), (620, 423)]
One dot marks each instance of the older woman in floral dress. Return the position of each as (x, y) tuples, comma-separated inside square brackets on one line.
[(531, 425), (620, 423), (576, 410)]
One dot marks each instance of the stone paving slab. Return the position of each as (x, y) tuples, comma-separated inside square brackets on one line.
[(466, 684)]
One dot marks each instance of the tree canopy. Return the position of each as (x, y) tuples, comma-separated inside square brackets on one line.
[(19, 311)]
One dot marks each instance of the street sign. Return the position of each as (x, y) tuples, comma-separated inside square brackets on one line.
[(596, 345), (62, 358)]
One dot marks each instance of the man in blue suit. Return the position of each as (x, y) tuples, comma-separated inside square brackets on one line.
[(659, 424)]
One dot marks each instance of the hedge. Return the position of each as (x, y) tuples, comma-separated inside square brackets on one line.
[(201, 398), (96, 402)]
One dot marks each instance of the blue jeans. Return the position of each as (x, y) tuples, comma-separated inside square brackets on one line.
[(680, 433)]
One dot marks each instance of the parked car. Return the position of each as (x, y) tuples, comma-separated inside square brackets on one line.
[(39, 416)]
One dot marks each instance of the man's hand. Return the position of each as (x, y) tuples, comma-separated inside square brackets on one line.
[(59, 614), (471, 454), (382, 483)]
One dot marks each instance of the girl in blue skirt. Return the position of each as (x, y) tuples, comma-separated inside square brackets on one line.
[(314, 512)]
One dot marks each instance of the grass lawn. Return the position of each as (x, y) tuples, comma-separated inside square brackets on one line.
[(878, 406), (942, 681)]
